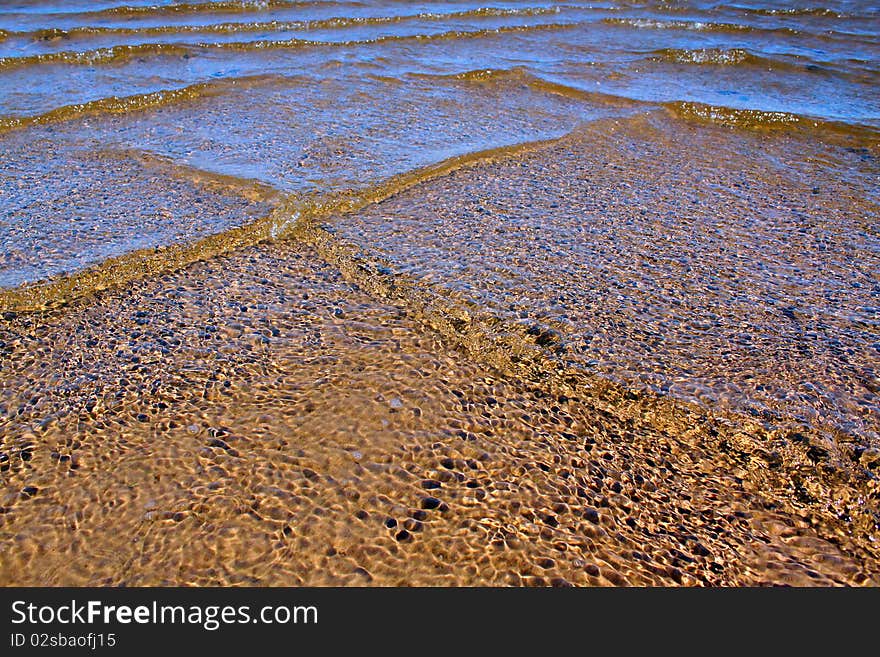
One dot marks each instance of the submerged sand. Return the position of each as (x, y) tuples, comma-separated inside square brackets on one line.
[(403, 395)]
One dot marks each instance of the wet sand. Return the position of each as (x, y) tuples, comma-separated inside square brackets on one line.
[(322, 410)]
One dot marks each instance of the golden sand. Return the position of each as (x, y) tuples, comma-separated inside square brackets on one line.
[(313, 411)]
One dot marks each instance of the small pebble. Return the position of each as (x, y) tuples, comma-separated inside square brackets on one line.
[(550, 520), (413, 525)]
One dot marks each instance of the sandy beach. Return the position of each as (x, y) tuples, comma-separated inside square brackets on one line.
[(348, 294)]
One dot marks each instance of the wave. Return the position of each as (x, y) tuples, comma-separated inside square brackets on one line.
[(855, 69), (46, 34), (660, 24), (746, 10), (699, 26), (134, 103), (114, 54), (682, 109), (338, 22), (742, 118), (216, 7), (785, 11), (755, 119), (736, 28), (291, 217), (118, 54), (165, 97), (732, 57), (713, 56), (750, 119), (518, 75), (250, 188)]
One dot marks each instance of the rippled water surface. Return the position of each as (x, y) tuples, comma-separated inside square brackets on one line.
[(311, 97), (439, 292)]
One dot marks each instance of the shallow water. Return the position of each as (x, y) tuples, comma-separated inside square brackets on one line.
[(750, 286), (259, 419), (313, 97), (601, 278)]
